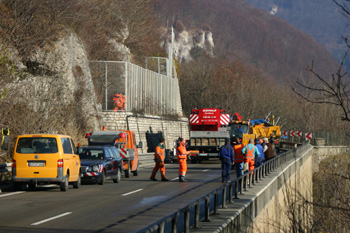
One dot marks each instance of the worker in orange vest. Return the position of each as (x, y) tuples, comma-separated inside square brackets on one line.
[(239, 157), (250, 151), (159, 159), (182, 154)]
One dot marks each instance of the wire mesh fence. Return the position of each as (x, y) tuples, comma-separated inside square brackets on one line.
[(123, 86)]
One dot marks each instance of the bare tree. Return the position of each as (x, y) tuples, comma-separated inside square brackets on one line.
[(332, 90)]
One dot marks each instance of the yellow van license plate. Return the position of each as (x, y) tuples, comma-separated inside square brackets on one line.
[(36, 164)]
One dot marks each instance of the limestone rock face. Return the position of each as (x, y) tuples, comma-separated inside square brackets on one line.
[(59, 78), (192, 39)]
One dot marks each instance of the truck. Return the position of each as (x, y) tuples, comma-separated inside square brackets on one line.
[(256, 128), (124, 141), (209, 127)]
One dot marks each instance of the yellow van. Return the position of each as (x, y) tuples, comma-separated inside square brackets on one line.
[(45, 158)]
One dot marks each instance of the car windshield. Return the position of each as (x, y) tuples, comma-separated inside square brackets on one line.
[(87, 153), (37, 145), (238, 130)]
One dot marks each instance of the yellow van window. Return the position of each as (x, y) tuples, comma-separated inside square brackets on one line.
[(37, 145), (67, 148)]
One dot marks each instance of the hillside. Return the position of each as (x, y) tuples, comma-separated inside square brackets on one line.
[(319, 18), (253, 36)]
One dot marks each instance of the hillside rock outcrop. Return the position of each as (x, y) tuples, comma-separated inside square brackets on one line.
[(58, 78)]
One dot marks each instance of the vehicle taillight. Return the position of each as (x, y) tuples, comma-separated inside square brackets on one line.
[(87, 135), (13, 163), (60, 163)]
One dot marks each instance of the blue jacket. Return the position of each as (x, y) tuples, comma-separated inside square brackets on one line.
[(261, 157), (226, 153)]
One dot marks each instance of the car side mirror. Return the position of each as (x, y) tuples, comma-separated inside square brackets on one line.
[(139, 145)]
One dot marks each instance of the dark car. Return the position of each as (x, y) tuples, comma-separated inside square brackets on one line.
[(99, 163)]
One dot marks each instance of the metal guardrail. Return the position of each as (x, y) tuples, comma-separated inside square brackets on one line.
[(201, 209)]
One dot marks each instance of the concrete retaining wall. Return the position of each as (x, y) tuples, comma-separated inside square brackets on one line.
[(323, 152), (285, 197), (172, 129)]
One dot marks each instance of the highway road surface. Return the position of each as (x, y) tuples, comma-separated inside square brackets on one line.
[(128, 206)]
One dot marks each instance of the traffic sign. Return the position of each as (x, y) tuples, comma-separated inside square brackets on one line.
[(300, 133), (285, 133), (308, 136), (292, 133)]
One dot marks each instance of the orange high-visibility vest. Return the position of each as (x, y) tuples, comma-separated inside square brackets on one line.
[(239, 157), (250, 155)]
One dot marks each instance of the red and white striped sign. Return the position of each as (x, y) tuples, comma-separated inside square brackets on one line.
[(285, 133), (225, 119), (122, 152), (308, 136), (300, 133), (194, 118), (292, 133)]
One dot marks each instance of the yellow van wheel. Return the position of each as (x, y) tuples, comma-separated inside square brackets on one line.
[(77, 183), (64, 184)]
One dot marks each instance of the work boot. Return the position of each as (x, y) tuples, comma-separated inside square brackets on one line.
[(165, 179), (154, 179), (182, 179)]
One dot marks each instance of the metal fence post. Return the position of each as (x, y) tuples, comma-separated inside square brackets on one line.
[(187, 221), (216, 202), (223, 204), (196, 218), (174, 222), (207, 209)]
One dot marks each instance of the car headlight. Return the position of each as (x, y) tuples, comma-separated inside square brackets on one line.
[(92, 169), (95, 168)]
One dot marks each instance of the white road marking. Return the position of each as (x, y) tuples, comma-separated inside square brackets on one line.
[(206, 170), (126, 194), (49, 219), (10, 194), (175, 178)]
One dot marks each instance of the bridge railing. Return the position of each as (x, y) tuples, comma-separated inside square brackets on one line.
[(201, 209)]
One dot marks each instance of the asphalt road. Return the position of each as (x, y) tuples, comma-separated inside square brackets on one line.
[(128, 206)]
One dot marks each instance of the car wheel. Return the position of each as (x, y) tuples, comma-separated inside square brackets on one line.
[(17, 186), (127, 171), (31, 186), (64, 184), (135, 173), (103, 178), (77, 183), (118, 177)]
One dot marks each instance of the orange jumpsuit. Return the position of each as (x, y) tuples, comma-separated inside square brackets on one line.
[(250, 158), (182, 158), (159, 159)]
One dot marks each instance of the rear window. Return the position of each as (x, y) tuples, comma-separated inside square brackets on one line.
[(87, 153), (40, 145)]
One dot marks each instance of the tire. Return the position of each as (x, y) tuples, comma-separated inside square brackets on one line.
[(136, 172), (77, 183), (127, 171), (103, 178), (194, 160), (31, 186), (118, 177), (17, 186), (64, 184)]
